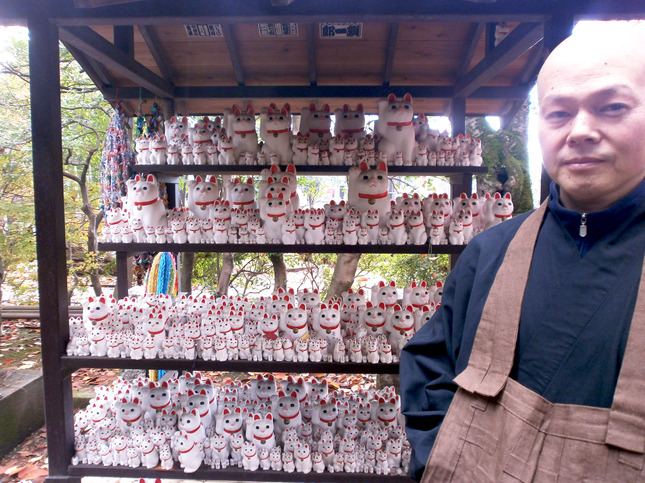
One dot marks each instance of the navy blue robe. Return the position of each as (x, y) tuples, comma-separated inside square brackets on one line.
[(574, 324)]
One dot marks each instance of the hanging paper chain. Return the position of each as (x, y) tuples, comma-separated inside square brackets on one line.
[(162, 277), (117, 161)]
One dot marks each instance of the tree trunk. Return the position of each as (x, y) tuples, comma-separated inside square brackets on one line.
[(93, 247), (93, 219), (225, 274), (186, 272), (279, 271), (344, 273)]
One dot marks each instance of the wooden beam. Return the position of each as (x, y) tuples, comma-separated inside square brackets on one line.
[(527, 78), (94, 70), (389, 54), (254, 11), (99, 3), (152, 42), (165, 12), (359, 92), (124, 39), (490, 37), (310, 29), (458, 115), (50, 239), (94, 45), (556, 29), (522, 38), (233, 53), (474, 36), (513, 108)]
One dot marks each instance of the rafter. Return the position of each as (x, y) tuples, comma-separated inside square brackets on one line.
[(527, 78), (314, 92), (94, 70), (95, 46), (233, 53), (474, 36), (311, 53), (389, 55), (152, 42), (522, 38)]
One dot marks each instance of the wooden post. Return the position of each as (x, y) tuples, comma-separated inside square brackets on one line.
[(44, 68), (458, 115)]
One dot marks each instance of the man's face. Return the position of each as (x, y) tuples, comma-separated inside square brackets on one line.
[(592, 125)]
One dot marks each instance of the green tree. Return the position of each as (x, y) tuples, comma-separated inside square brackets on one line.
[(505, 154), (85, 116)]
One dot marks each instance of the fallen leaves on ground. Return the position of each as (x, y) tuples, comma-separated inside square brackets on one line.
[(26, 462)]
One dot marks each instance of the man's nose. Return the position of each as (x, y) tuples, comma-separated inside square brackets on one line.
[(583, 129)]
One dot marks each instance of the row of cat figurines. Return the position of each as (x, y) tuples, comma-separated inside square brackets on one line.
[(339, 151), (410, 221), (397, 133)]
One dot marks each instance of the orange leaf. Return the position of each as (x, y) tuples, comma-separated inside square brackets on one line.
[(30, 472), (13, 470)]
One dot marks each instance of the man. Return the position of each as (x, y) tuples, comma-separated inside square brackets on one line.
[(537, 314)]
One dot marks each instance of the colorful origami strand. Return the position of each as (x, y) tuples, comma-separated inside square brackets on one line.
[(117, 161)]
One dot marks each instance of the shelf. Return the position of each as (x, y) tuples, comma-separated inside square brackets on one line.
[(278, 248), (72, 363), (168, 171), (232, 474)]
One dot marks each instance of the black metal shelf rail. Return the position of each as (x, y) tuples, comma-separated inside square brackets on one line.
[(72, 363), (279, 248), (233, 474)]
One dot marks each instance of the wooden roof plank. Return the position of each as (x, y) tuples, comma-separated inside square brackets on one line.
[(152, 42), (233, 54), (392, 38), (95, 46), (522, 38)]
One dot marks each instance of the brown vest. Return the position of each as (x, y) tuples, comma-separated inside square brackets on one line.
[(497, 430)]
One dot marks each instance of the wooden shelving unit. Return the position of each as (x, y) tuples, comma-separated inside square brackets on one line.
[(442, 51)]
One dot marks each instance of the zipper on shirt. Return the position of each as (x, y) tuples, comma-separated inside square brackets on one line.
[(583, 226)]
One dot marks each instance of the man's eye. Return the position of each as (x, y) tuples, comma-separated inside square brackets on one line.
[(557, 115), (614, 108)]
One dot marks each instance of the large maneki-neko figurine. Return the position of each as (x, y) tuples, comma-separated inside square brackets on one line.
[(241, 127), (288, 177), (144, 202), (275, 130), (395, 128), (350, 123), (316, 122), (368, 189), (202, 194)]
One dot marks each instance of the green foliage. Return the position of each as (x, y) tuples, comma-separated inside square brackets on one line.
[(253, 272), (17, 246), (505, 155), (404, 268), (85, 116), (313, 189)]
